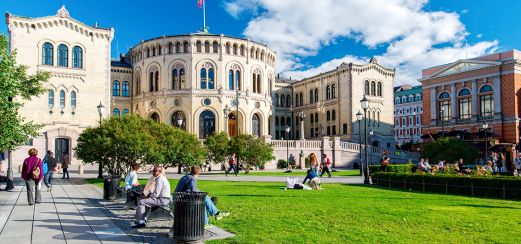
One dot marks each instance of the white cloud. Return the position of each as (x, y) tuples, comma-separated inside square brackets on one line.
[(479, 35), (413, 38)]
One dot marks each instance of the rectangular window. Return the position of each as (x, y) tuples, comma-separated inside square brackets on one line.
[(444, 110), (329, 130), (29, 142), (333, 128), (464, 108), (344, 128), (486, 107)]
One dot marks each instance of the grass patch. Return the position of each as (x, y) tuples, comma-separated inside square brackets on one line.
[(266, 213), (347, 172)]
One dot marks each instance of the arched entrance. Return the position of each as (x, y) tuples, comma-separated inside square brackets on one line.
[(154, 117), (232, 124), (206, 124), (255, 125)]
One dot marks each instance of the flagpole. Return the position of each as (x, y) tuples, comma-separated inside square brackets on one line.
[(204, 16)]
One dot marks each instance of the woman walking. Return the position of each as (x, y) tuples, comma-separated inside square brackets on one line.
[(32, 173), (65, 161)]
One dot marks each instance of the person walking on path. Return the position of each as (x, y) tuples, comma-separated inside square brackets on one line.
[(232, 165), (188, 183), (32, 173), (325, 165), (49, 164), (158, 196), (65, 162)]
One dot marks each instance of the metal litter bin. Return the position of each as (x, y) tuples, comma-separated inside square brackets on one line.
[(109, 186), (189, 211)]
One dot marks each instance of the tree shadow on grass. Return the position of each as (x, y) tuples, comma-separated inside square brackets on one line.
[(487, 206)]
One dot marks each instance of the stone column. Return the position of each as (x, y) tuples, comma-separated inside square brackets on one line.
[(434, 112), (453, 102), (325, 148), (302, 117), (337, 151), (497, 98), (474, 93)]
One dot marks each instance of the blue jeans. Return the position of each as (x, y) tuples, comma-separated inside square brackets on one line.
[(210, 209), (48, 178)]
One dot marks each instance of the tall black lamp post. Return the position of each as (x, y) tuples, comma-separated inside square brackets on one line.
[(371, 133), (101, 110), (365, 105), (359, 118), (288, 129), (442, 121), (9, 184), (485, 128)]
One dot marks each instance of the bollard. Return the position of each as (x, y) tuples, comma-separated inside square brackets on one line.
[(80, 169), (20, 168)]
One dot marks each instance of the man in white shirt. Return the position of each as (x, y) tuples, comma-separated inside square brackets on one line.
[(159, 196)]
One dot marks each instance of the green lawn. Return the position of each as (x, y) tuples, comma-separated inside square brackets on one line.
[(266, 213), (347, 172)]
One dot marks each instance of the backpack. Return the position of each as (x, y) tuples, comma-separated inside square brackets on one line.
[(36, 171), (298, 186)]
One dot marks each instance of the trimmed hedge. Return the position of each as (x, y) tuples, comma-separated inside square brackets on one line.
[(496, 186), (395, 168)]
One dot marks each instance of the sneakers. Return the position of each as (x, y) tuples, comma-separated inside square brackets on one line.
[(221, 215), (138, 226)]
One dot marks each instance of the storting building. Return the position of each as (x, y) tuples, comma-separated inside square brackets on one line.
[(189, 81)]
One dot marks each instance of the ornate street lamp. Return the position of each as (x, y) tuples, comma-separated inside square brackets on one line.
[(442, 121), (371, 133), (288, 129), (365, 105), (227, 110), (101, 110), (359, 119), (485, 127)]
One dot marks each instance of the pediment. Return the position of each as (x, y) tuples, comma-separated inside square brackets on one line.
[(462, 66)]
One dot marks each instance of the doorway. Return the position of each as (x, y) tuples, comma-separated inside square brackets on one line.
[(61, 145)]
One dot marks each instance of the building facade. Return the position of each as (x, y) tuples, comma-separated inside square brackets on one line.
[(407, 114), (78, 58), (466, 94)]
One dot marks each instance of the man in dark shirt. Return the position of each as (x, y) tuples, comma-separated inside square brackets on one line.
[(188, 183), (51, 164)]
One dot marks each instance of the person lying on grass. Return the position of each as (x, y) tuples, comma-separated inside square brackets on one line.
[(188, 183)]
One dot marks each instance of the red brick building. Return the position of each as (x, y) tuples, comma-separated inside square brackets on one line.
[(465, 94)]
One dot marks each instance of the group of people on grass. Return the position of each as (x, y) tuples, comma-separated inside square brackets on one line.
[(36, 170), (495, 163), (157, 193)]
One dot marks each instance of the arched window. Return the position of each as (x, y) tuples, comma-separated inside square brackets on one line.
[(252, 52), (125, 111), (282, 121), (379, 89), (207, 77), (50, 98), (256, 80), (333, 114), (333, 91), (159, 49), (297, 100), (486, 101), (282, 99), (259, 84), (277, 102), (178, 120), (125, 89), (62, 99), (257, 54), (227, 48), (311, 96), (178, 76), (137, 87), (185, 46), (148, 52), (288, 101), (328, 116), (328, 92), (288, 121), (47, 53), (178, 47), (215, 47), (366, 87), (464, 104), (206, 46), (115, 88), (444, 106), (153, 51), (311, 120), (206, 124), (316, 117), (235, 49), (198, 46), (276, 120), (63, 55), (234, 78), (373, 88), (301, 99), (243, 50), (316, 95), (115, 112), (231, 80), (170, 48), (73, 100), (378, 114), (77, 57), (255, 125)]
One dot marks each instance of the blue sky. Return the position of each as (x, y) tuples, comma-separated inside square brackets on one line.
[(313, 36)]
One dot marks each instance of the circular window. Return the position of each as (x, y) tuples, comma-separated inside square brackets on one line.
[(257, 105), (234, 102), (207, 101)]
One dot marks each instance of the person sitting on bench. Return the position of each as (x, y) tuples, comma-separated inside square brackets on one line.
[(158, 196), (132, 187), (188, 183)]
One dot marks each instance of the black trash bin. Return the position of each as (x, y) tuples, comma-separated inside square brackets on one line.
[(109, 186), (189, 211)]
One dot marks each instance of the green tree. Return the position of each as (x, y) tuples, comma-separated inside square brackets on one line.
[(218, 148), (15, 86), (450, 149), (251, 151)]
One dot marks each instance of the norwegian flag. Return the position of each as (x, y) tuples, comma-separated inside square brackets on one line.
[(200, 3)]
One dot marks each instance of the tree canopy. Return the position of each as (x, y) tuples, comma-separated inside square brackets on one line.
[(251, 151), (450, 149), (16, 86)]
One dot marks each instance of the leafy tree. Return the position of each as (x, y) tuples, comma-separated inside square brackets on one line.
[(450, 149), (15, 86), (251, 151), (218, 148)]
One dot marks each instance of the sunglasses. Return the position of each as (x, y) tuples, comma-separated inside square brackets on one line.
[(157, 170)]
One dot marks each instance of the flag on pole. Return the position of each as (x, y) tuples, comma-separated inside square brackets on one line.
[(200, 3)]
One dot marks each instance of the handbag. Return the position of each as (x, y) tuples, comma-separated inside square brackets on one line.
[(36, 171)]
